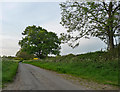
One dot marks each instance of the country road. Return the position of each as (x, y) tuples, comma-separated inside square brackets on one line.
[(30, 77)]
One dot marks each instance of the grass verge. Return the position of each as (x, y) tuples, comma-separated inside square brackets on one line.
[(9, 69), (89, 66)]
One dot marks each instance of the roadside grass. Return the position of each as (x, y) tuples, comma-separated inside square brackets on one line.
[(90, 66), (9, 69)]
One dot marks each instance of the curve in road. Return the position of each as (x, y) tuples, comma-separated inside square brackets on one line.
[(30, 77)]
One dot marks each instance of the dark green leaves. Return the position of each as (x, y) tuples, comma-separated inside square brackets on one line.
[(40, 42)]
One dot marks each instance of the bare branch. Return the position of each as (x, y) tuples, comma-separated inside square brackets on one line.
[(116, 9), (105, 6)]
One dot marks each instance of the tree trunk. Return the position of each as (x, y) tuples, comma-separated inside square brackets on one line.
[(41, 56), (111, 42), (110, 28)]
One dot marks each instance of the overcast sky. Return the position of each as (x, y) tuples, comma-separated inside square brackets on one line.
[(16, 16)]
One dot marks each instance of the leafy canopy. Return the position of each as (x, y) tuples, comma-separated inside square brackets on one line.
[(85, 19), (39, 42)]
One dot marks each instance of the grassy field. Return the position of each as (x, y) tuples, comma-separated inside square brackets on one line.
[(91, 66), (9, 69)]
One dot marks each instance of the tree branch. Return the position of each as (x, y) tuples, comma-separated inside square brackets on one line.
[(116, 9), (116, 27), (105, 6), (97, 20)]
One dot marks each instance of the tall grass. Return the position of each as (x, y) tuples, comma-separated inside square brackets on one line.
[(9, 69), (91, 66)]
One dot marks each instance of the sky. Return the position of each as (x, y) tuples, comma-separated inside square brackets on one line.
[(16, 16)]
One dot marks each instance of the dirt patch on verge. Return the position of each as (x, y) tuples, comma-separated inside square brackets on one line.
[(87, 83)]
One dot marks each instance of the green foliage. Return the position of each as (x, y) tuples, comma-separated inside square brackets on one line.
[(40, 42), (92, 66), (10, 57), (24, 55), (114, 53), (9, 69), (97, 19)]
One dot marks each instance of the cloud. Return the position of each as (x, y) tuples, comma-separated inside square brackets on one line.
[(9, 46), (47, 15), (0, 16), (10, 5), (86, 45), (54, 26)]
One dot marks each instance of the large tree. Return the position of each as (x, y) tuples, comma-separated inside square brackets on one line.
[(39, 42), (97, 19)]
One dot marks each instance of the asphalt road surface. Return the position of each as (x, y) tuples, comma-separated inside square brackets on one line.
[(30, 77)]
